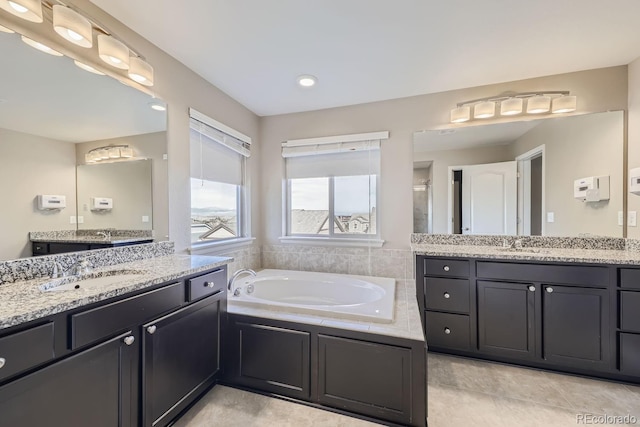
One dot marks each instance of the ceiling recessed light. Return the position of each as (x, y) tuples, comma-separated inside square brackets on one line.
[(307, 80)]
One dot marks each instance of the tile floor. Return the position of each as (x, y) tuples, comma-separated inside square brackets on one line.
[(462, 392)]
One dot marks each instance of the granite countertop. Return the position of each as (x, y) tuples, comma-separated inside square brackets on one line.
[(591, 256), (23, 301), (406, 320), (91, 239)]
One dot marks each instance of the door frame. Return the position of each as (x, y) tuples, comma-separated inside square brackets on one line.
[(524, 191), (450, 171)]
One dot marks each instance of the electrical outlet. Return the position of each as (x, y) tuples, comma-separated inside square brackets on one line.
[(631, 218), (551, 216), (620, 218), (145, 218), (80, 220), (165, 157), (72, 219)]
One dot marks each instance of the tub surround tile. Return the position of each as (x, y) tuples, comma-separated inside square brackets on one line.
[(338, 264), (24, 301)]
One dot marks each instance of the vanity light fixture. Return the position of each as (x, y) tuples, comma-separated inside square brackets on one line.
[(6, 30), (41, 47), (72, 26), (513, 104), (30, 10), (110, 152), (88, 68), (113, 52), (307, 80), (140, 71)]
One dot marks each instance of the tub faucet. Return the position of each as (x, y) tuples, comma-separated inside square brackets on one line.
[(238, 273)]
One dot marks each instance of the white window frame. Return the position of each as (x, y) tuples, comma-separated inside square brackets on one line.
[(243, 199)]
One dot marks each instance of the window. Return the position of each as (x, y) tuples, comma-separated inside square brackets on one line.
[(332, 186), (218, 181)]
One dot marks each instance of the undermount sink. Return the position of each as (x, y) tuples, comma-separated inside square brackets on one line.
[(90, 280)]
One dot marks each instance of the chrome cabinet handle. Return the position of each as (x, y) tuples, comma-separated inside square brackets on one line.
[(532, 288), (151, 329), (446, 268), (447, 331), (549, 289), (447, 295), (129, 340), (209, 284), (2, 361)]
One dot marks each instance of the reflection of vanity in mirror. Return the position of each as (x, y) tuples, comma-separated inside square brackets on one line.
[(48, 124), (521, 177)]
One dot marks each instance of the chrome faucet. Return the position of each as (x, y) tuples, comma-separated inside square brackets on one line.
[(238, 273), (58, 270), (106, 235), (80, 267), (516, 244)]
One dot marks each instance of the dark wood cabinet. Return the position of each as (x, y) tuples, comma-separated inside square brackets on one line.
[(576, 326), (506, 318), (181, 358), (92, 388), (51, 248)]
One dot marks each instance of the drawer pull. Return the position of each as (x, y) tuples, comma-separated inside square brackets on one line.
[(447, 295), (447, 331), (549, 289), (532, 288), (209, 284), (129, 340), (151, 329), (446, 268), (2, 361)]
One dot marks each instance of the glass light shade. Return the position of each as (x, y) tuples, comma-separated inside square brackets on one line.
[(41, 47), (484, 110), (461, 114), (103, 153), (511, 106), (88, 158), (140, 71), (6, 30), (114, 152), (72, 26), (88, 68), (538, 104), (126, 152), (307, 80), (93, 156), (564, 104), (113, 52), (30, 10)]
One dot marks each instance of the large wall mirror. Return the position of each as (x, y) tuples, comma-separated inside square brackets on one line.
[(51, 114), (522, 177)]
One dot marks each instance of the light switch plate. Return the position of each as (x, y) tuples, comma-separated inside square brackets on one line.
[(551, 216), (72, 219), (80, 220), (620, 218), (632, 218), (145, 218)]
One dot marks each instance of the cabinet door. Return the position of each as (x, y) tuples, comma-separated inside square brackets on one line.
[(576, 326), (92, 388), (506, 319), (181, 358)]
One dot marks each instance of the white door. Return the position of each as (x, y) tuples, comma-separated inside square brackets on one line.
[(489, 198)]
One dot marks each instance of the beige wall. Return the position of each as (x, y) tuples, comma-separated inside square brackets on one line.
[(634, 138), (597, 90), (151, 146), (578, 147), (32, 165)]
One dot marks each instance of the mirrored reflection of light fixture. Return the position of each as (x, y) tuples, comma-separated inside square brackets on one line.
[(41, 47), (538, 104), (6, 30), (140, 71), (72, 26), (88, 68), (564, 104), (157, 105), (110, 152), (30, 10), (484, 110), (113, 52), (513, 104)]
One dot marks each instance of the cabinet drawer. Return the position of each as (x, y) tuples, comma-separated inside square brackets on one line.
[(446, 267), (26, 349), (101, 322), (630, 311), (592, 276), (207, 284), (629, 351), (446, 294), (39, 248), (630, 278), (447, 330)]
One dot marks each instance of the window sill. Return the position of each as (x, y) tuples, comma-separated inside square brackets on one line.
[(328, 241), (212, 248)]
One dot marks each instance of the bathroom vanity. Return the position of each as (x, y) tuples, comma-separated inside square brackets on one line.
[(562, 309)]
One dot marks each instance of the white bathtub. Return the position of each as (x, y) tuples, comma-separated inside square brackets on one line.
[(336, 295)]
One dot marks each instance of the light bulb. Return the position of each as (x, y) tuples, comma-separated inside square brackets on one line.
[(18, 7)]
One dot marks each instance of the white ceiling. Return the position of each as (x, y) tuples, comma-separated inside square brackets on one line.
[(66, 103), (371, 50)]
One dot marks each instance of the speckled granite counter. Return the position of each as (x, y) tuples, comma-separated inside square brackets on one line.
[(23, 301), (406, 323), (91, 236)]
